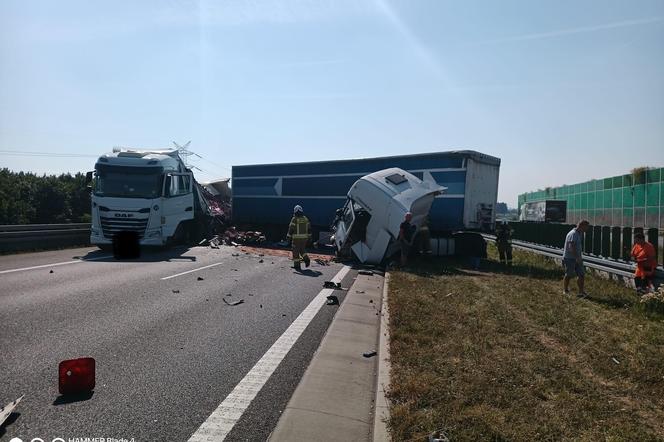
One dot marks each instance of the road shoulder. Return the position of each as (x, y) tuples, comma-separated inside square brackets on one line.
[(335, 398)]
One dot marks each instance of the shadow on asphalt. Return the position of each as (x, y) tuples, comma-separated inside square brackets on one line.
[(148, 254), (71, 398), (309, 272), (13, 416)]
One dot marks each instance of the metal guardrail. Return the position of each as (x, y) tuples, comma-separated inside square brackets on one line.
[(615, 267), (15, 238)]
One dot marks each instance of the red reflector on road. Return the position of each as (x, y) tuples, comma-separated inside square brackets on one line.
[(76, 376)]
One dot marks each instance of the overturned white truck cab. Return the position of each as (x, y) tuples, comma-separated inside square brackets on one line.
[(368, 224)]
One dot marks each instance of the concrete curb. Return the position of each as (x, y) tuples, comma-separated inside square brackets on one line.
[(334, 399), (382, 410)]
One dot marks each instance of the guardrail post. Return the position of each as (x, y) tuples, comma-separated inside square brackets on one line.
[(615, 242), (606, 241), (627, 243), (588, 246), (653, 238), (597, 240)]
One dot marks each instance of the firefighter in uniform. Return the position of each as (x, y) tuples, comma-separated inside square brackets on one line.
[(504, 243), (299, 232)]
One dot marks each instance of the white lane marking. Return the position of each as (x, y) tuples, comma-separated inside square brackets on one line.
[(191, 271), (55, 264), (223, 419)]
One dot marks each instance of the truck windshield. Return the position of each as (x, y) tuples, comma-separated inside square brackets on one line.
[(128, 185)]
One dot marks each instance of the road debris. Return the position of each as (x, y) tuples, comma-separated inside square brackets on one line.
[(371, 301), (76, 376), (235, 237), (322, 262), (176, 291), (8, 409), (616, 361), (234, 303), (359, 291), (332, 300), (260, 261), (366, 272), (51, 271), (438, 436), (369, 354), (201, 278), (332, 285)]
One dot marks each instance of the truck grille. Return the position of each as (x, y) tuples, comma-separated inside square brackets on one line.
[(111, 226)]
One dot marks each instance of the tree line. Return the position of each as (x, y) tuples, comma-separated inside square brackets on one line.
[(26, 198)]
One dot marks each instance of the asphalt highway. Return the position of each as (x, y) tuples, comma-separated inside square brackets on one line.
[(168, 349)]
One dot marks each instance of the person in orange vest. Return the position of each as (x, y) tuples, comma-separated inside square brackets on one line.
[(299, 232), (646, 262)]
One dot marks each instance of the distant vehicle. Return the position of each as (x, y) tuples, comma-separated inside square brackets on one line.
[(264, 194), (148, 192), (368, 224), (549, 211)]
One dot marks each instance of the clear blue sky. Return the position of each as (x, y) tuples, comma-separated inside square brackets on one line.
[(562, 91)]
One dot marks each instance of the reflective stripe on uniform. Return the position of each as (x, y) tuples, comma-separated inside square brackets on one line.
[(300, 227)]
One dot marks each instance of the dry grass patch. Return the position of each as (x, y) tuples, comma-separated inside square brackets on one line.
[(496, 355)]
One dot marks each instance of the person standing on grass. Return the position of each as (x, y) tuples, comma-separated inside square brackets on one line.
[(504, 243), (406, 233), (646, 262), (573, 258)]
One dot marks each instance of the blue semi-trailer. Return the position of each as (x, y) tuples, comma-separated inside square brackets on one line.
[(265, 194)]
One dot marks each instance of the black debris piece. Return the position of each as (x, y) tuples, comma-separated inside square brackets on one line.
[(332, 300), (176, 291), (51, 271), (201, 278), (369, 354), (261, 261), (332, 285), (235, 254), (229, 294), (283, 315), (234, 303), (261, 305), (371, 301)]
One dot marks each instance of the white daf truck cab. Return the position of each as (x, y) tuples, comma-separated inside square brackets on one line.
[(149, 192), (368, 224)]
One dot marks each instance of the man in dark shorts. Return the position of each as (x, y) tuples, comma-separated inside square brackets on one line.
[(573, 258)]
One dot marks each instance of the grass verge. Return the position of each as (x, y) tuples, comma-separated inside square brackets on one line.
[(503, 355)]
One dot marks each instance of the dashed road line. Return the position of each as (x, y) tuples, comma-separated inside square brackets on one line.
[(192, 271)]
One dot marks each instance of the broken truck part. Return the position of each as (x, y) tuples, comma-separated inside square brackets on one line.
[(368, 224)]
